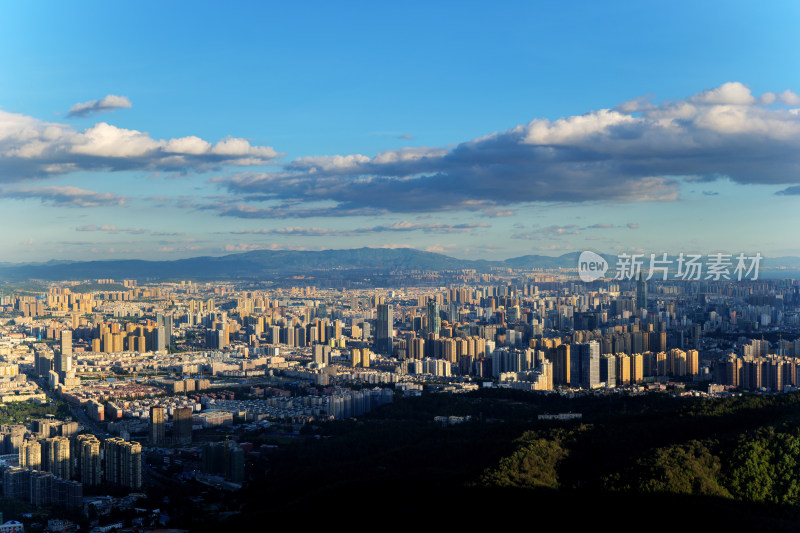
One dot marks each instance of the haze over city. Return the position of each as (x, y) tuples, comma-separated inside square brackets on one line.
[(156, 131)]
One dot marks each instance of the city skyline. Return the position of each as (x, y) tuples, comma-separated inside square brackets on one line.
[(474, 132)]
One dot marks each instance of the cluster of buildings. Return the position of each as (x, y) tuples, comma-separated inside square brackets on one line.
[(49, 463), (518, 327), (529, 328), (143, 362), (754, 372)]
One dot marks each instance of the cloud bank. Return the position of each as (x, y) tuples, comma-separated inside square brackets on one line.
[(107, 228), (637, 151), (66, 196), (403, 226)]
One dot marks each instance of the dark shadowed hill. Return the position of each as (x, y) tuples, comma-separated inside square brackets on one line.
[(263, 263)]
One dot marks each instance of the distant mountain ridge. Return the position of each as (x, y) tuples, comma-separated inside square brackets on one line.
[(271, 263)]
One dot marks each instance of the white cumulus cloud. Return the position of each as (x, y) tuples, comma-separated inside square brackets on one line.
[(32, 148)]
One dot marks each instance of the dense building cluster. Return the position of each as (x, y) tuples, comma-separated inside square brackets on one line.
[(55, 463), (155, 365)]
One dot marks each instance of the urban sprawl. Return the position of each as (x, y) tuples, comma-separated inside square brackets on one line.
[(161, 382)]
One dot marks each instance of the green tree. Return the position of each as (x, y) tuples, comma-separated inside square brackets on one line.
[(534, 464), (751, 475), (684, 469)]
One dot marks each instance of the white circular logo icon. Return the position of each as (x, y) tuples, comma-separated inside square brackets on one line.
[(591, 266)]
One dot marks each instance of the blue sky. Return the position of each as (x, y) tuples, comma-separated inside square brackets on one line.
[(166, 130)]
